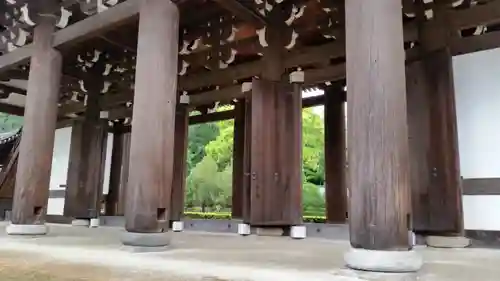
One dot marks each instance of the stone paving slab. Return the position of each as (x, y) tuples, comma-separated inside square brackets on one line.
[(209, 256)]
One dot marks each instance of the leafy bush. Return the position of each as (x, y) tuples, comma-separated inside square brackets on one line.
[(227, 216)]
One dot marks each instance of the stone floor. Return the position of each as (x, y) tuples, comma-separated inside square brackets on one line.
[(69, 253)]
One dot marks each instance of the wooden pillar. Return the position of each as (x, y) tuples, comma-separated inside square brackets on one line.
[(276, 161), (436, 182), (37, 143), (87, 158), (115, 201), (238, 159), (247, 161), (335, 155), (379, 167), (153, 126), (180, 164)]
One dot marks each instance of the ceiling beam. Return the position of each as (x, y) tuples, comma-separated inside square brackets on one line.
[(243, 12)]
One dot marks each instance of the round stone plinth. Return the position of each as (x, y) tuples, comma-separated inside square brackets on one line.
[(80, 222), (447, 241), (27, 229), (383, 261), (136, 239)]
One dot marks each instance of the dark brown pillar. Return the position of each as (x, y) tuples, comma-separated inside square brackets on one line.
[(87, 158), (379, 168), (436, 183), (37, 143), (115, 201), (276, 161), (153, 126), (247, 160), (335, 155), (238, 159), (180, 164)]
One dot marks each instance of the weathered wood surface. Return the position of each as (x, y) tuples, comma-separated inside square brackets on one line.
[(35, 154), (436, 182), (247, 161), (87, 158), (335, 155), (379, 171), (152, 144), (115, 201), (276, 162), (180, 163), (238, 159)]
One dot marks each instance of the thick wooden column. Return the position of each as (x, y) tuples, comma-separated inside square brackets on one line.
[(379, 167), (335, 155), (436, 183), (87, 158), (180, 164), (238, 159), (276, 161), (115, 201), (37, 143), (153, 126)]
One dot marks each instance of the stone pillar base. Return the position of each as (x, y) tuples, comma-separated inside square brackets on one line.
[(298, 232), (136, 239), (27, 229), (95, 222), (447, 241), (177, 226), (244, 229), (383, 261), (81, 222)]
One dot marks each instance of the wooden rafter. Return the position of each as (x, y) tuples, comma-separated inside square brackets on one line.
[(243, 12)]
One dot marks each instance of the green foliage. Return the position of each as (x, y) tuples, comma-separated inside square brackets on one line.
[(227, 216), (221, 149), (313, 146), (199, 136), (207, 187), (313, 202), (9, 123)]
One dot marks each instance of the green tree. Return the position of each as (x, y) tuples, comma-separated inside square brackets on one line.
[(313, 202), (313, 142), (203, 184), (199, 136), (225, 184), (221, 149)]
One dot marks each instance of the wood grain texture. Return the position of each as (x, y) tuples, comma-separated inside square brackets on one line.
[(115, 201), (379, 176), (152, 144), (247, 162), (335, 156), (445, 192), (180, 163), (238, 159), (37, 143), (86, 169), (276, 163)]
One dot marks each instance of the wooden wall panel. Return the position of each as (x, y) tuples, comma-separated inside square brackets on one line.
[(238, 159), (180, 164), (276, 163)]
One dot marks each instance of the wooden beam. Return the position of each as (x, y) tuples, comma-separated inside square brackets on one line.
[(97, 24), (243, 12), (476, 43), (476, 15), (11, 109), (212, 117), (16, 57)]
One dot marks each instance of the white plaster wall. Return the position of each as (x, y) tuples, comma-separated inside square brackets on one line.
[(60, 162), (477, 90)]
